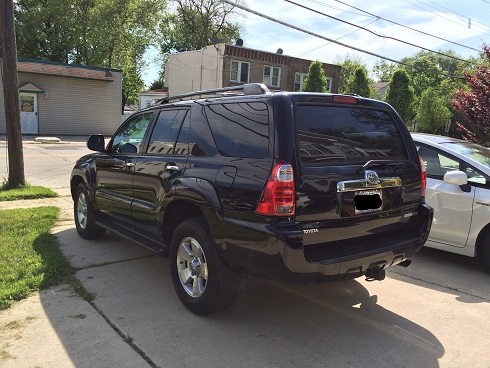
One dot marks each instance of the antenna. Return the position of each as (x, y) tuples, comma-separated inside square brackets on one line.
[(239, 42), (279, 51)]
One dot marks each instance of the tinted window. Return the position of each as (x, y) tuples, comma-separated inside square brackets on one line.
[(130, 136), (240, 129), (328, 133), (166, 131)]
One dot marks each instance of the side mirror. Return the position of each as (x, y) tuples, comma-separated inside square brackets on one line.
[(96, 143), (456, 177)]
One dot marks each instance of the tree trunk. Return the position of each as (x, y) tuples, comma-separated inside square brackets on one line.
[(11, 94)]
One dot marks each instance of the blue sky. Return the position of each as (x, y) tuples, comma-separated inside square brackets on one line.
[(446, 19)]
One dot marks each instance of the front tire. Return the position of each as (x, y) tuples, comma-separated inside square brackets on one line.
[(84, 215), (202, 281), (485, 253)]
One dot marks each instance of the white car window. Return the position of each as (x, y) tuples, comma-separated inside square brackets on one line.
[(437, 164)]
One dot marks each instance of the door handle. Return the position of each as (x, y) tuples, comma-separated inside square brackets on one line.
[(171, 167), (129, 164)]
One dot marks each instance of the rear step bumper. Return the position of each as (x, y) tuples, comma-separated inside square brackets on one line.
[(279, 254)]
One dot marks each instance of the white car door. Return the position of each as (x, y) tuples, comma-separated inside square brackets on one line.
[(452, 204)]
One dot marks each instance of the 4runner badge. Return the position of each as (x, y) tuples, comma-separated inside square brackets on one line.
[(310, 231)]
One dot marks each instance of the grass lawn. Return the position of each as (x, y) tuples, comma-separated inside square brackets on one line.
[(26, 192), (29, 255)]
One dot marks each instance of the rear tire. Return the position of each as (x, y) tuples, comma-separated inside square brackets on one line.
[(84, 215), (202, 281)]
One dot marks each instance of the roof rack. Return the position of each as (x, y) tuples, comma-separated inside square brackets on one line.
[(246, 89)]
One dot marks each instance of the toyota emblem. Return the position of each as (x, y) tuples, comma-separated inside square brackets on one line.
[(371, 177)]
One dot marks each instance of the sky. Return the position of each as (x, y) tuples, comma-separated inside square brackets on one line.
[(463, 22)]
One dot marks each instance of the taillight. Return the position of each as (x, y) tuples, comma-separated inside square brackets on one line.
[(345, 99), (423, 172), (279, 195)]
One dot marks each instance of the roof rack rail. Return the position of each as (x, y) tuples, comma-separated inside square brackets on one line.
[(247, 89)]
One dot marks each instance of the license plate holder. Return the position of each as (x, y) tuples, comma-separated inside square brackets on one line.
[(368, 201)]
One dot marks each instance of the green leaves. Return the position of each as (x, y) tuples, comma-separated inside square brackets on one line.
[(316, 81)]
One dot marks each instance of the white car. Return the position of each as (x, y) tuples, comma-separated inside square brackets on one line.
[(458, 188)]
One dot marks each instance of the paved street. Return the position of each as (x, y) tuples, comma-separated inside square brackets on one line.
[(433, 314)]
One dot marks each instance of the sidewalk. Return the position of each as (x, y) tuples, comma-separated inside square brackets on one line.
[(56, 327)]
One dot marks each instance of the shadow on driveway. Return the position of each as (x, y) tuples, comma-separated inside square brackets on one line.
[(270, 324)]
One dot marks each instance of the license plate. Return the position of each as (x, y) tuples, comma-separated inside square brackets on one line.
[(368, 201)]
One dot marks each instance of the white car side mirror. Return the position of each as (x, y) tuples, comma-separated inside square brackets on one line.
[(456, 177)]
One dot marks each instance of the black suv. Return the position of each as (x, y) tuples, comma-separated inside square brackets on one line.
[(287, 186)]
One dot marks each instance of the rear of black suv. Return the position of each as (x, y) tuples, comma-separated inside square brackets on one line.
[(287, 186), (342, 197)]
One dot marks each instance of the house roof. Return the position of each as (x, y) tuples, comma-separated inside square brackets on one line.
[(380, 85), (65, 70)]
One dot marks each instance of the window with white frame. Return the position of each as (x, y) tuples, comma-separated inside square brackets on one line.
[(239, 71), (298, 81), (272, 76), (329, 84)]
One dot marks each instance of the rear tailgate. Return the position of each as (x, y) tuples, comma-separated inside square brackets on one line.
[(357, 179)]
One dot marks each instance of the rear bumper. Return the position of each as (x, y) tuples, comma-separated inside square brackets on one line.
[(280, 252)]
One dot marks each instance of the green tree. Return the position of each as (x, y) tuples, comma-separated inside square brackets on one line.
[(432, 114), (400, 95), (349, 67), (315, 81), (105, 33), (193, 23), (360, 84), (384, 70)]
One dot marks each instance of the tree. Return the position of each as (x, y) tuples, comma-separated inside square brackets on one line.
[(11, 94), (315, 81), (384, 70), (474, 101), (194, 22), (432, 114), (360, 84), (349, 67), (104, 33), (400, 95)]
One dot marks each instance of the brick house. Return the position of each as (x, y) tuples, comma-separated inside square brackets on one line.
[(224, 65)]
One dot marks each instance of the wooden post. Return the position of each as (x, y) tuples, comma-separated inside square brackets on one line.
[(11, 94)]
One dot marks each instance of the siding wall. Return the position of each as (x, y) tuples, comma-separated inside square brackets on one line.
[(73, 106)]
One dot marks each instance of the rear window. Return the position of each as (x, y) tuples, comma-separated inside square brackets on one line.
[(328, 133), (240, 129)]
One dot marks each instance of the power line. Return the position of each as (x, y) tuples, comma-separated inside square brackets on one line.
[(438, 15), (334, 41), (412, 29), (459, 14), (375, 33)]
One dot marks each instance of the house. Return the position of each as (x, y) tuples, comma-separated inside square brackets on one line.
[(66, 99), (148, 98), (224, 65), (380, 88)]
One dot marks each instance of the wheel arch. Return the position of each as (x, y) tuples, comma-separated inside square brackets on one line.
[(480, 240), (192, 198)]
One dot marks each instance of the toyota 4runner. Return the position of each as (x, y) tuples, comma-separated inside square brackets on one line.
[(287, 186)]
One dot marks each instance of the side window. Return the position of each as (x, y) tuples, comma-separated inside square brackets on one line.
[(436, 163), (240, 129), (476, 177), (130, 136), (166, 131), (328, 86)]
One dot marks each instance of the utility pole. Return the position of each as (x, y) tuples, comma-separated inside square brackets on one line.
[(11, 94)]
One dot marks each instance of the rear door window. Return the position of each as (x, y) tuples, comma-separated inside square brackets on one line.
[(328, 134), (240, 129)]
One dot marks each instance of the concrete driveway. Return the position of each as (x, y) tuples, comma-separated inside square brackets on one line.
[(433, 314)]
